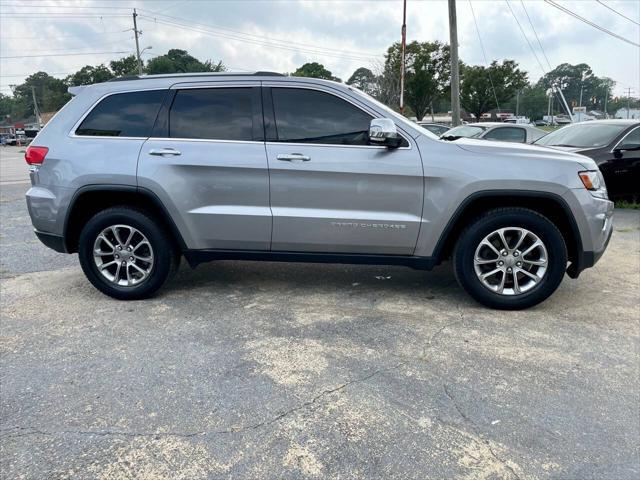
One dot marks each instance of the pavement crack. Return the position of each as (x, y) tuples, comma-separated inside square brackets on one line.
[(34, 431), (97, 433), (478, 436), (313, 401)]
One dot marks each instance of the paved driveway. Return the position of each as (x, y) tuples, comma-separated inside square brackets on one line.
[(265, 370)]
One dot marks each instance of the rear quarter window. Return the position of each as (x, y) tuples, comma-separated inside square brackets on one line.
[(130, 114)]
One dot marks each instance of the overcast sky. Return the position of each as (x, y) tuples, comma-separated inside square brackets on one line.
[(281, 35)]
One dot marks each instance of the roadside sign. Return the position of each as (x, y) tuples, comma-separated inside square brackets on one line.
[(579, 109)]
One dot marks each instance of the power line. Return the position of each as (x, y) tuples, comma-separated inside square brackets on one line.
[(536, 35), (76, 35), (63, 54), (617, 12), (238, 33), (589, 22), (315, 51), (484, 54), (22, 5), (525, 37), (533, 50)]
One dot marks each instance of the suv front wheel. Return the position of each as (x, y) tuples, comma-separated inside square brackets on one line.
[(125, 253), (510, 258)]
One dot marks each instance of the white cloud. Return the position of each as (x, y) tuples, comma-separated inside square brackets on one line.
[(344, 31)]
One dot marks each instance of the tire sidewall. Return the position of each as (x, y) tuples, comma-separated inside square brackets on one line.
[(540, 226), (162, 253)]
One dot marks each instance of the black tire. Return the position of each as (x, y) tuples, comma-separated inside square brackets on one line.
[(166, 257), (470, 238)]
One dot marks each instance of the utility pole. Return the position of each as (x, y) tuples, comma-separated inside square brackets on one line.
[(628, 102), (606, 95), (517, 102), (402, 60), (455, 73), (36, 110), (136, 33)]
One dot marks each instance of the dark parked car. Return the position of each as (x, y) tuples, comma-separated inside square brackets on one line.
[(613, 144), (434, 128)]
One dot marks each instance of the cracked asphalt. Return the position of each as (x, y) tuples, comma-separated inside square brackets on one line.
[(263, 370)]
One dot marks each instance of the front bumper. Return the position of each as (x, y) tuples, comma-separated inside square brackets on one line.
[(596, 227), (55, 242)]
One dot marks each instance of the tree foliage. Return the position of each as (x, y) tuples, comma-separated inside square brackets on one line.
[(50, 92), (533, 102), (125, 66), (89, 75), (571, 78), (427, 75), (365, 80), (179, 61), (315, 70), (480, 86)]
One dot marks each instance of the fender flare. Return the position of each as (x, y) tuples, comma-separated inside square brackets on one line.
[(148, 194)]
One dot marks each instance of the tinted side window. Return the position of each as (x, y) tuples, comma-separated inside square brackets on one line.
[(123, 115), (310, 116), (212, 113), (507, 134), (631, 140)]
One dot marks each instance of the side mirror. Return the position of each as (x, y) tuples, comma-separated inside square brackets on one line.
[(382, 131), (628, 147)]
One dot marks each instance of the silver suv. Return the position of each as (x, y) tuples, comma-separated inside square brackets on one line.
[(135, 173)]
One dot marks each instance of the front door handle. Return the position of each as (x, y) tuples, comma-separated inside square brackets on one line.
[(164, 151), (292, 157)]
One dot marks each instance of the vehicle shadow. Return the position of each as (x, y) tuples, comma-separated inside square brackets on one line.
[(310, 278)]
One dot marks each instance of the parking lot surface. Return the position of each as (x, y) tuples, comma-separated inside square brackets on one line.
[(266, 370)]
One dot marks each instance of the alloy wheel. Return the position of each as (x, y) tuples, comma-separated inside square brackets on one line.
[(511, 261), (123, 255)]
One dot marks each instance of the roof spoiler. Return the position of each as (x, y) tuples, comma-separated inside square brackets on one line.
[(76, 90)]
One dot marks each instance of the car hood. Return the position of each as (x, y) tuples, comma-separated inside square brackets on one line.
[(525, 151)]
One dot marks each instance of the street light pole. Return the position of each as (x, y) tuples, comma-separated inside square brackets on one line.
[(455, 73)]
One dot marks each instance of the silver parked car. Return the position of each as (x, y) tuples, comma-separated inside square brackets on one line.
[(136, 173), (497, 131), (435, 128)]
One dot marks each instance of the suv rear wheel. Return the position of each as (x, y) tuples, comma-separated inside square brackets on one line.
[(510, 258), (125, 253)]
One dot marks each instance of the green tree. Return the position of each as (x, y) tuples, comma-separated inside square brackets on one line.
[(51, 93), (478, 84), (124, 66), (315, 70), (427, 75), (533, 102), (89, 75), (179, 61), (365, 80), (572, 78)]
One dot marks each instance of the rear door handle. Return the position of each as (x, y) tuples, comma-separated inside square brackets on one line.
[(164, 151), (291, 157)]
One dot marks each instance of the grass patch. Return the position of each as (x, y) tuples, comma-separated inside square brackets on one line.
[(549, 128), (633, 205)]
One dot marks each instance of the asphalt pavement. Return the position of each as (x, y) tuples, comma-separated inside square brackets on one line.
[(265, 370)]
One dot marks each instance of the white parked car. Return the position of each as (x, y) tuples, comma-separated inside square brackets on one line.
[(497, 131)]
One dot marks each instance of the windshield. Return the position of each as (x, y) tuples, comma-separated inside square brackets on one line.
[(582, 135), (464, 131)]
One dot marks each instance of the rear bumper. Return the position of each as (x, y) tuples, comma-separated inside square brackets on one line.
[(55, 242)]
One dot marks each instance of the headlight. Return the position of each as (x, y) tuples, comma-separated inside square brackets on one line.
[(594, 182)]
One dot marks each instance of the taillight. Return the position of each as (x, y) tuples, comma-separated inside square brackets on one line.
[(35, 155)]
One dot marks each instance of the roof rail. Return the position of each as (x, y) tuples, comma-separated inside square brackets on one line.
[(196, 74), (123, 78)]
